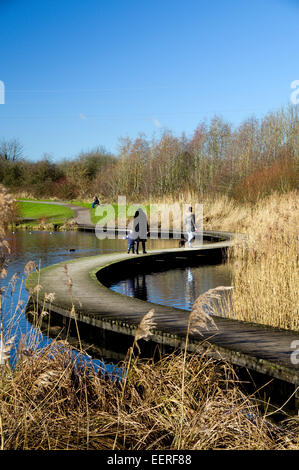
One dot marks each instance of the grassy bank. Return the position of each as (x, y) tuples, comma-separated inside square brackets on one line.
[(43, 214)]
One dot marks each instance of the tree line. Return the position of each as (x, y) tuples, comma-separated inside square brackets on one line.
[(246, 162)]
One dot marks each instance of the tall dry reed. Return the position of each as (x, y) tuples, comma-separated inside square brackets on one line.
[(6, 216), (265, 262), (51, 402), (265, 265), (52, 399)]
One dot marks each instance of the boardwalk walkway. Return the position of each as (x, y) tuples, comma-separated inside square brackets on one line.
[(263, 349)]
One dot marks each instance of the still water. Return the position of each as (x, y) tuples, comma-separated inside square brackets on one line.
[(178, 287)]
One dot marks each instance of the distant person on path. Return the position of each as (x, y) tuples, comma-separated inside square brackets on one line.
[(190, 226), (141, 228), (96, 202)]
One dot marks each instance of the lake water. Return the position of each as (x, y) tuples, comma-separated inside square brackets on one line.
[(178, 287)]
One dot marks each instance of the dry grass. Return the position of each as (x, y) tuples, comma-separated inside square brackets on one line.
[(49, 402), (220, 213), (7, 211), (265, 263), (184, 401)]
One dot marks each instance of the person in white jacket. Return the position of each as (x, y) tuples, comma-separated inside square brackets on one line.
[(190, 226)]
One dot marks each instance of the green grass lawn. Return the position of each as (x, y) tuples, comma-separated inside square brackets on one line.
[(51, 212), (58, 214), (37, 211)]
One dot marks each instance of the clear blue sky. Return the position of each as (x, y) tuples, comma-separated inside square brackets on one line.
[(82, 73)]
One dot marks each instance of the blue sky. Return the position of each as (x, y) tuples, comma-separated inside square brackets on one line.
[(79, 74)]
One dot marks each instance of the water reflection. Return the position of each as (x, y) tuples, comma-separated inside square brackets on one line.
[(45, 248), (190, 287), (137, 287), (176, 287)]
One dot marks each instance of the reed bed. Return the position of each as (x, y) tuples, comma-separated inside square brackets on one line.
[(265, 265), (7, 211), (53, 399), (265, 262), (51, 402)]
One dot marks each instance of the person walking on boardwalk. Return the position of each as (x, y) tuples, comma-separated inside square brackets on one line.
[(190, 226), (141, 228)]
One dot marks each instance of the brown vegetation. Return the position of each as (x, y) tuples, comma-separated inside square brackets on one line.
[(265, 264), (183, 401), (49, 402), (7, 212), (247, 162), (245, 179), (264, 260)]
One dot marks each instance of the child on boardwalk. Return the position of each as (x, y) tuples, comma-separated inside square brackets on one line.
[(131, 237)]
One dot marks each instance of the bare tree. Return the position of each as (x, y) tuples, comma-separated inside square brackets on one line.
[(11, 150)]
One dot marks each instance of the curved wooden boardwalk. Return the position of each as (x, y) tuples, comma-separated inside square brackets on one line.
[(259, 348)]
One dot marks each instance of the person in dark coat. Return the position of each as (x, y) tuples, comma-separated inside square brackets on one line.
[(96, 202), (141, 228)]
